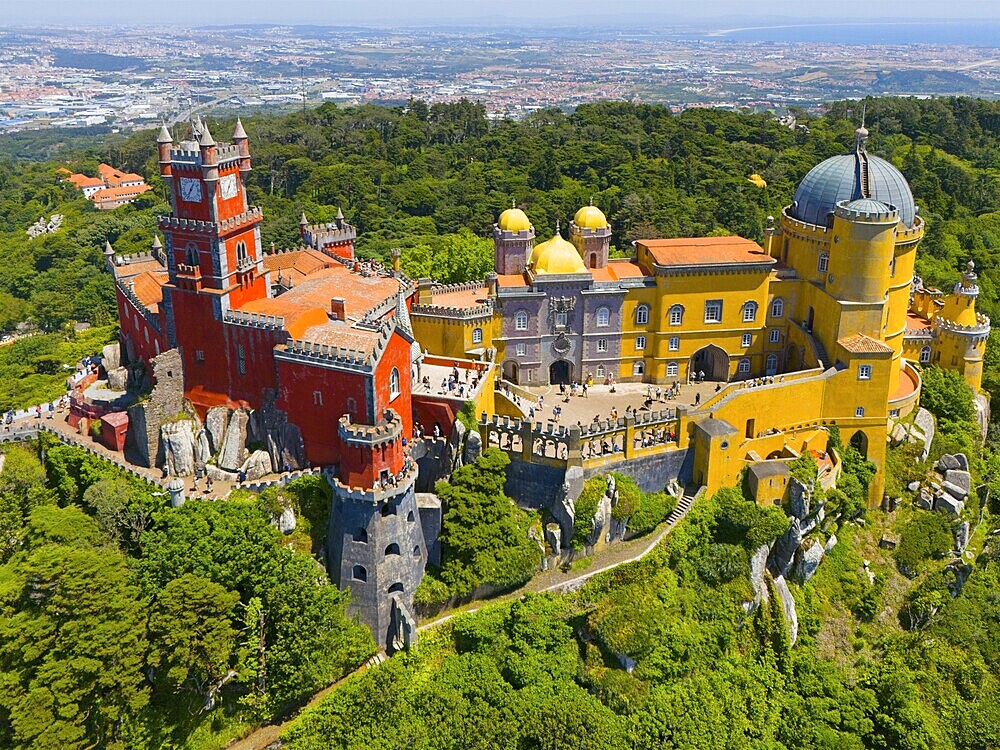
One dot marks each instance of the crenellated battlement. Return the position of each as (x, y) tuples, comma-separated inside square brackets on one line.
[(370, 436), (982, 327), (251, 215), (130, 295), (460, 313), (254, 320), (386, 494)]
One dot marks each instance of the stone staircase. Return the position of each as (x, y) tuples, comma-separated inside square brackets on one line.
[(683, 506), (376, 659)]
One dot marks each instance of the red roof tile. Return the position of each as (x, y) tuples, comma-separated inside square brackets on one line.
[(705, 251)]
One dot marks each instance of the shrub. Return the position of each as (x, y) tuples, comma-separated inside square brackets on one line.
[(584, 509), (95, 429), (926, 535), (721, 563)]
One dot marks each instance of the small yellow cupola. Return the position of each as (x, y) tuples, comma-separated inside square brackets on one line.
[(590, 217), (556, 256), (514, 220)]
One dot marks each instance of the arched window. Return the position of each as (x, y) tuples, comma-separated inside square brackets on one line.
[(775, 335), (416, 551), (749, 312), (603, 317), (777, 307), (388, 509), (521, 321), (674, 344), (477, 335), (743, 368), (771, 366), (638, 368), (241, 252), (676, 315), (361, 535), (823, 264), (396, 588), (409, 516), (925, 355), (191, 254), (394, 383), (359, 573), (392, 549), (641, 315)]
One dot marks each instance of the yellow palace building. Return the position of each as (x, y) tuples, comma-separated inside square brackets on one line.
[(826, 321)]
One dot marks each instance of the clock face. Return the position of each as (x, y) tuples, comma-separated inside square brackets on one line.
[(227, 186), (190, 189)]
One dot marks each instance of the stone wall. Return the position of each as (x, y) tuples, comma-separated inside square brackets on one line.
[(651, 473), (165, 402)]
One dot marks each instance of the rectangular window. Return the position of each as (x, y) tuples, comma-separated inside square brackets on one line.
[(893, 412), (864, 372), (561, 319), (600, 371), (521, 350), (531, 375), (674, 343), (676, 315), (317, 398), (713, 311), (241, 359), (672, 368), (775, 335), (640, 343), (199, 356), (859, 412), (747, 340), (602, 345)]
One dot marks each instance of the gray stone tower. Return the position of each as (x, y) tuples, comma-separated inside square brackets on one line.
[(375, 544), (513, 239)]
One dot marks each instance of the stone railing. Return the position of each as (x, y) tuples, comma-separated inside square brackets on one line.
[(323, 354), (254, 320), (461, 313)]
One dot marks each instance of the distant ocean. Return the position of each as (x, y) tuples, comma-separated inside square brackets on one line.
[(975, 34)]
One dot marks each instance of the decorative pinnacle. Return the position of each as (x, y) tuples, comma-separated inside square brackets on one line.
[(206, 138), (513, 203), (108, 250), (558, 230), (239, 133), (591, 200), (164, 136), (157, 245), (340, 214), (303, 221)]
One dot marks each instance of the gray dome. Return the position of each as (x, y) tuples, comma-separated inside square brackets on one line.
[(839, 179)]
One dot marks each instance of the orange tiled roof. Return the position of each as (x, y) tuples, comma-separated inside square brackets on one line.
[(916, 323), (297, 264), (621, 268), (510, 280), (705, 251), (148, 287), (129, 270), (82, 180), (336, 333), (307, 303), (861, 344), (115, 193)]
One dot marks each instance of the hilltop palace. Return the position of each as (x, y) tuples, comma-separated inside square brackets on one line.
[(328, 361)]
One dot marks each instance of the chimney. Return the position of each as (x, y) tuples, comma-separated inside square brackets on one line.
[(338, 309)]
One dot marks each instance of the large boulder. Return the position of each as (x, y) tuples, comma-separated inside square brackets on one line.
[(798, 498), (215, 422), (111, 357), (118, 379), (925, 500), (758, 565), (233, 448), (177, 439), (286, 520), (809, 557), (947, 461), (270, 426), (830, 543), (959, 478), (455, 441), (473, 447), (944, 503), (959, 493), (553, 535), (600, 524), (202, 450), (963, 461), (788, 607), (257, 465)]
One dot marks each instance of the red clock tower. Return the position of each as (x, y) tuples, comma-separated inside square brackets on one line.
[(214, 257)]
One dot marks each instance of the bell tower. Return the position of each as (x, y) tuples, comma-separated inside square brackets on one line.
[(213, 247)]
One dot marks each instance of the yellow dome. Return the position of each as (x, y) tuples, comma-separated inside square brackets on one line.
[(556, 256), (514, 220), (590, 217)]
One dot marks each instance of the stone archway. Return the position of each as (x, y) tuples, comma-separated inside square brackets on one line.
[(860, 442), (561, 372), (711, 360), (510, 371)]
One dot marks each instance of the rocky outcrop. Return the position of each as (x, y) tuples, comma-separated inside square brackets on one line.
[(830, 543), (959, 478), (270, 426), (783, 554), (257, 465), (553, 535), (798, 498), (948, 505), (788, 607), (455, 443), (600, 524), (810, 555), (962, 537), (232, 452), (111, 357), (924, 420), (215, 422), (758, 566), (473, 447), (177, 439), (286, 520), (118, 379)]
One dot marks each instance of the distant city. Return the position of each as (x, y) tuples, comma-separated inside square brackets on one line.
[(128, 78)]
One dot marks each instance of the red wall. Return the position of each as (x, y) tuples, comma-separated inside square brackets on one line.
[(145, 340), (397, 354)]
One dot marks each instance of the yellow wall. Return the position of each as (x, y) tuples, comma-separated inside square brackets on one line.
[(450, 337)]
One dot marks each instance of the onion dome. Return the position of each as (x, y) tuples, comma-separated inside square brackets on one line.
[(851, 177), (514, 220), (556, 256), (590, 217)]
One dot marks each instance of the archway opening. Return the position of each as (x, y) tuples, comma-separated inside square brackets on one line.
[(859, 440), (560, 372), (510, 371), (711, 360)]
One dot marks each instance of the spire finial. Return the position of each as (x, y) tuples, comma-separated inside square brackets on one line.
[(558, 230), (591, 200), (513, 203)]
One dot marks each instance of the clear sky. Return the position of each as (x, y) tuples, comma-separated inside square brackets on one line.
[(190, 13)]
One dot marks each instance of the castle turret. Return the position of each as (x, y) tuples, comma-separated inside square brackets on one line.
[(513, 241), (960, 332), (242, 144), (590, 233)]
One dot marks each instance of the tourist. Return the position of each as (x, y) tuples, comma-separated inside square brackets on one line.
[(585, 388), (208, 485), (437, 430), (697, 399)]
